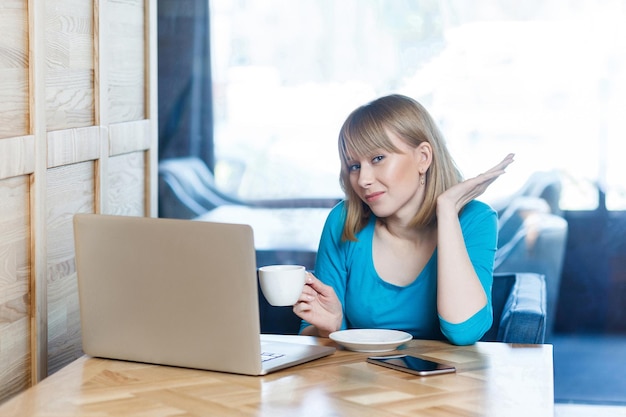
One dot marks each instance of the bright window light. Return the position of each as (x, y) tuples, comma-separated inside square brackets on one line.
[(545, 79)]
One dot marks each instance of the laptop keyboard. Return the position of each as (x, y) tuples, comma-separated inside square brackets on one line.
[(268, 356)]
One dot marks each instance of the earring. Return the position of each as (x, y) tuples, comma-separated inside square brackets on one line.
[(422, 179)]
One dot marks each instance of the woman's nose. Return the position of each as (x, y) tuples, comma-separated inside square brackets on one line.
[(365, 177)]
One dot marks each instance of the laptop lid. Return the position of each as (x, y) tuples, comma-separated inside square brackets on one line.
[(171, 292)]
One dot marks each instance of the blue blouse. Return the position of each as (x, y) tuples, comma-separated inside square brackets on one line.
[(370, 302)]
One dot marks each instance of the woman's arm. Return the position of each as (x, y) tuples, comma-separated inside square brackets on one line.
[(321, 303), (460, 292)]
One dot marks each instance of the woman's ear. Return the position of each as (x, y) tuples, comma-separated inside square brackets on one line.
[(423, 156)]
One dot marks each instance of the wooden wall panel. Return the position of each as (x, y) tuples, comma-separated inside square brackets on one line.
[(70, 191), (129, 137), (17, 156), (73, 145), (78, 134), (125, 41), (14, 115), (69, 64), (127, 185), (14, 286)]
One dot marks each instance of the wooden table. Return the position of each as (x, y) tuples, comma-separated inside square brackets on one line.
[(493, 379)]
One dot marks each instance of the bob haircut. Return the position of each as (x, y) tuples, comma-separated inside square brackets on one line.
[(365, 132)]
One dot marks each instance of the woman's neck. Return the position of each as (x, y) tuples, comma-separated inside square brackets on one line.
[(403, 230)]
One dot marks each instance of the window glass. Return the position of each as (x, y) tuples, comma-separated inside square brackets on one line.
[(543, 79)]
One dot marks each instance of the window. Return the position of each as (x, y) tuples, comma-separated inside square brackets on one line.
[(543, 79)]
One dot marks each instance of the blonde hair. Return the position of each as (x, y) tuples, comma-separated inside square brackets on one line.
[(365, 131)]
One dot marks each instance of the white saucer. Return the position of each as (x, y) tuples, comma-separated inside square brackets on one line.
[(370, 340)]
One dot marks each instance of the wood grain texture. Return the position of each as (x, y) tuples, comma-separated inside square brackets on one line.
[(492, 379), (65, 65), (38, 190), (69, 64), (14, 286), (70, 191), (72, 146), (14, 113), (124, 30), (17, 156), (129, 137), (126, 184)]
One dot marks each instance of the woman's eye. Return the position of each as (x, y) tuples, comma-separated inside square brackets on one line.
[(377, 158), (354, 167)]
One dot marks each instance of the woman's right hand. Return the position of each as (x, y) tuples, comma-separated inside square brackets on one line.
[(319, 306), (459, 195)]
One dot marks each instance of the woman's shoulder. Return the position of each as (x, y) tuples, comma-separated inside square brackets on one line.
[(479, 221), (336, 220), (477, 209), (338, 213)]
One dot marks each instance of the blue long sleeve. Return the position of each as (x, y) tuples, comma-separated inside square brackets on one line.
[(370, 302)]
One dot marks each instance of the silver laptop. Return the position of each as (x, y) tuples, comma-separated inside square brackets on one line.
[(175, 292)]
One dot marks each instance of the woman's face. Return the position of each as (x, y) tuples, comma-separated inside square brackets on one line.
[(389, 182)]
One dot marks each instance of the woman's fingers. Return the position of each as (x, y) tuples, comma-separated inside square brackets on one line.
[(499, 169), (504, 163), (488, 177), (472, 188), (301, 308), (312, 289), (316, 285)]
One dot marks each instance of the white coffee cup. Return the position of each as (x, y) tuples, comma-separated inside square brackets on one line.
[(282, 284)]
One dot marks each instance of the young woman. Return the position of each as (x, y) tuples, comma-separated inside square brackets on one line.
[(410, 248)]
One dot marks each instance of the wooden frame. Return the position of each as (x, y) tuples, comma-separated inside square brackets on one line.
[(79, 134)]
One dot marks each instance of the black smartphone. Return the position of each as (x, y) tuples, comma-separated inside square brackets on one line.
[(411, 364)]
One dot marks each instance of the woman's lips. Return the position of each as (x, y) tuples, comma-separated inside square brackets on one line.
[(370, 198)]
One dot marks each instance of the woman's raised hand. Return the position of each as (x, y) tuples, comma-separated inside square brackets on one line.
[(319, 306), (468, 190)]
